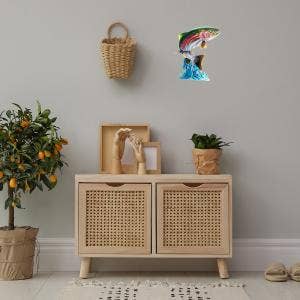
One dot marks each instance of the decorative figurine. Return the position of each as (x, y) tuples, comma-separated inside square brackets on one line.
[(188, 42), (118, 149), (137, 145)]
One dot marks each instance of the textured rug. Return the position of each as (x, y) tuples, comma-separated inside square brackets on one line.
[(149, 290)]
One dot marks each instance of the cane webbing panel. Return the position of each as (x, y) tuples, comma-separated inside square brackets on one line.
[(191, 218), (116, 217)]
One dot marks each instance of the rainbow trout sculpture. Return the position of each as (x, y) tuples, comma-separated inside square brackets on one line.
[(192, 63)]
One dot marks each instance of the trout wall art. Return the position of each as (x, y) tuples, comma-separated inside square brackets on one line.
[(189, 43)]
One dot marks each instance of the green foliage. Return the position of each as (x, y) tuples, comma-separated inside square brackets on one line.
[(208, 141), (30, 151)]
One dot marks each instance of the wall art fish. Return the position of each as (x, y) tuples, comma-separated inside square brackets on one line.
[(188, 42)]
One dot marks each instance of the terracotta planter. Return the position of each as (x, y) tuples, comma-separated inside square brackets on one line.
[(17, 252), (207, 161)]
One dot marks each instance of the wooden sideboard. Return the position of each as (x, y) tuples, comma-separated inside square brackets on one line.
[(154, 216)]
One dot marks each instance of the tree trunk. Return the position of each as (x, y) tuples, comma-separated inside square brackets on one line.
[(11, 212)]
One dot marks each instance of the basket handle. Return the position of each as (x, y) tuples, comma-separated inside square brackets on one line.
[(110, 28)]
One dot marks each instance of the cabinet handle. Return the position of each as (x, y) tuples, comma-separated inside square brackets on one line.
[(192, 184), (114, 184)]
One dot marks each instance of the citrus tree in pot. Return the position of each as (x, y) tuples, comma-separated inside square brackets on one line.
[(207, 152), (30, 154)]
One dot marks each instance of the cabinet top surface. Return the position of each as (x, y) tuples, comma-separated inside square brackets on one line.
[(151, 178)]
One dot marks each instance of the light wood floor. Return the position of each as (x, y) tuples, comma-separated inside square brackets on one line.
[(48, 286)]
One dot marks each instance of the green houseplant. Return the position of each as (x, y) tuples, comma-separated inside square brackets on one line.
[(207, 152), (30, 155)]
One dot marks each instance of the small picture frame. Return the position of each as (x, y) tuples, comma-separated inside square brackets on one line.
[(153, 157)]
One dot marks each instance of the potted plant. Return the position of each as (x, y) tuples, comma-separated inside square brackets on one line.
[(30, 154), (207, 152)]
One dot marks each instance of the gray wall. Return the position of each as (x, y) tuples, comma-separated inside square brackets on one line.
[(49, 51)]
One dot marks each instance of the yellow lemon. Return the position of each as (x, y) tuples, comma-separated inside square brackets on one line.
[(52, 178), (24, 123), (41, 155), (13, 183)]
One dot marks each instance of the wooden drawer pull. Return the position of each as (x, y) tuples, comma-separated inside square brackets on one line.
[(192, 184), (115, 184)]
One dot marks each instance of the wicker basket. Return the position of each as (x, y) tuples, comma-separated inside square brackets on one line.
[(118, 54), (17, 249)]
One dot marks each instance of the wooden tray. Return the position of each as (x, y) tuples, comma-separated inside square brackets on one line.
[(107, 131)]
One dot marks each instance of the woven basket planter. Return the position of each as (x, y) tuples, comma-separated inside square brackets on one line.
[(118, 54), (207, 161), (17, 253)]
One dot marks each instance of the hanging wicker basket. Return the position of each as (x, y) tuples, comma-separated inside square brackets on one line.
[(118, 53)]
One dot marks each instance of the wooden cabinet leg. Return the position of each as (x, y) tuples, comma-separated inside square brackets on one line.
[(90, 266), (85, 267), (222, 266)]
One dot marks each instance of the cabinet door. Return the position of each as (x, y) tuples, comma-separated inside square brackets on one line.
[(193, 219), (114, 218)]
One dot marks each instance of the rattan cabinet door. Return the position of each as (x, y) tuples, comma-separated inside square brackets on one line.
[(193, 219), (114, 219)]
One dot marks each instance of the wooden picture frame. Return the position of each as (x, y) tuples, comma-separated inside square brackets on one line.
[(153, 157), (107, 131)]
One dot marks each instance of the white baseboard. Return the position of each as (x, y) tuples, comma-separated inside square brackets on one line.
[(58, 254)]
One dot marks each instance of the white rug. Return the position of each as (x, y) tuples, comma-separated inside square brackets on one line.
[(97, 290)]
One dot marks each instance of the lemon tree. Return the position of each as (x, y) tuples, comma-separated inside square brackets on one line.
[(30, 153)]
